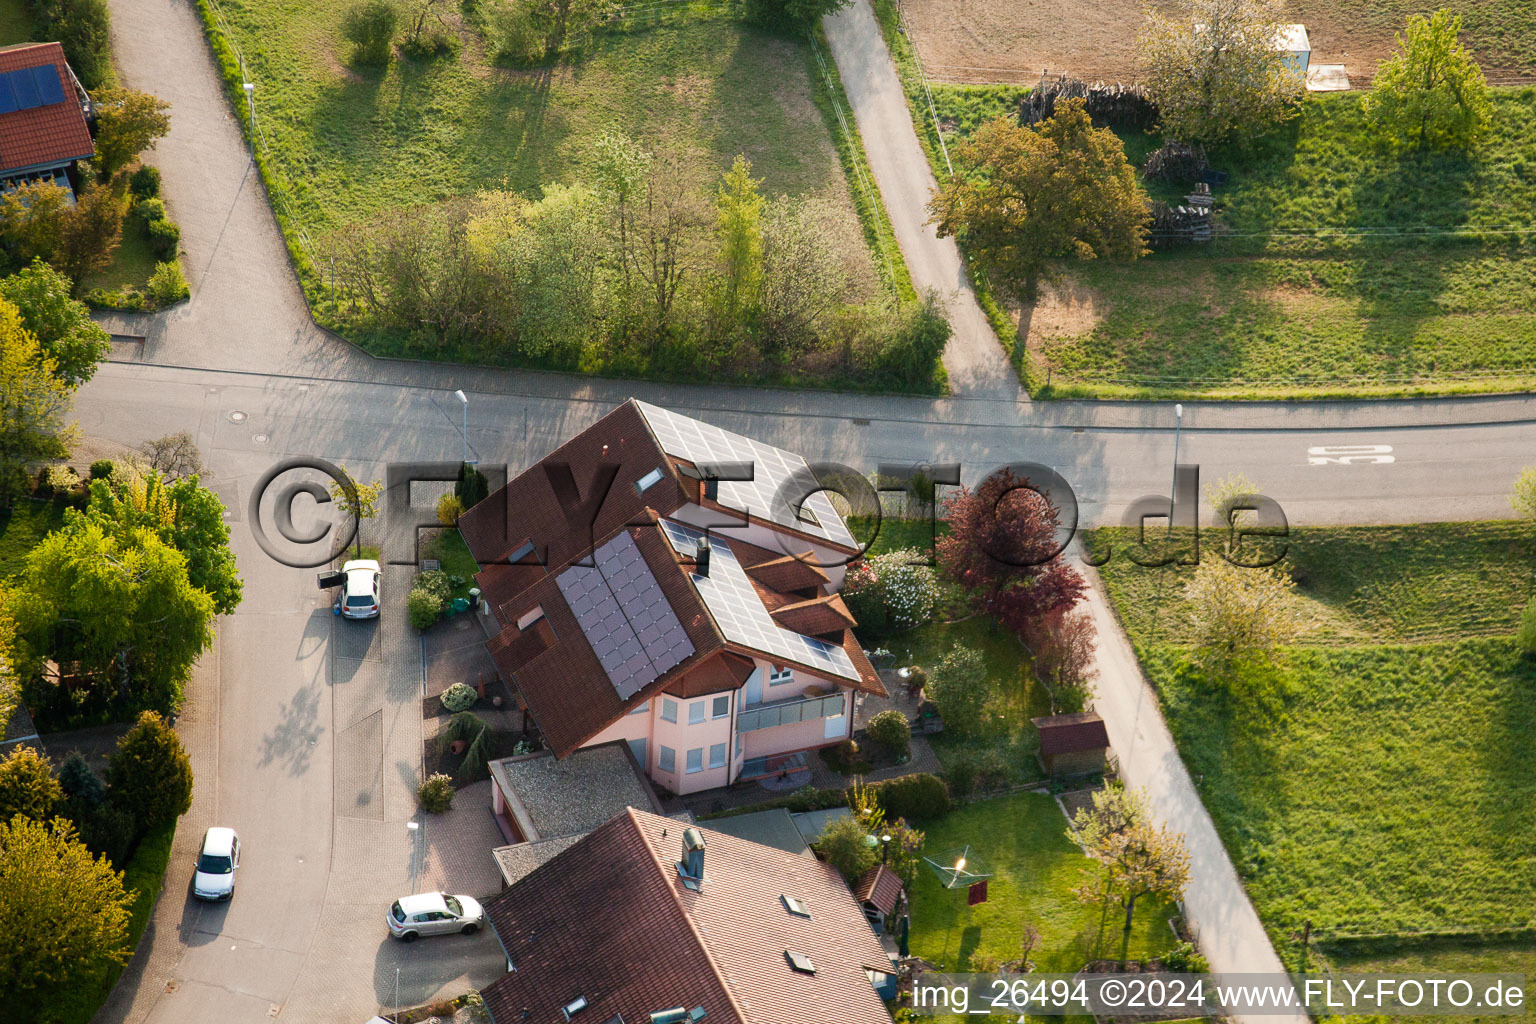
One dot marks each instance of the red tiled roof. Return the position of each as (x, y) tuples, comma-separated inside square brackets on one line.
[(881, 888), (609, 920), (787, 573), (825, 614), (1069, 734), (42, 136)]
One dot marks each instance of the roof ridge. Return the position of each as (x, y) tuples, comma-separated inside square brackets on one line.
[(698, 936)]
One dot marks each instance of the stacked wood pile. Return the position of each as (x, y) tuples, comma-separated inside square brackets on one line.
[(1179, 225), (1176, 162), (1117, 105)]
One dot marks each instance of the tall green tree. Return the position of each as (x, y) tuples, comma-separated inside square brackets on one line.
[(62, 324), (370, 28), (83, 28), (185, 515), (1215, 72), (89, 232), (1431, 94), (64, 914), (27, 785), (127, 123), (622, 167), (795, 15), (739, 207), (116, 606), (33, 400), (150, 772), (1241, 616), (1029, 197), (359, 500)]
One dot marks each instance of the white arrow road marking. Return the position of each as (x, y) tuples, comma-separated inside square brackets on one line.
[(1350, 455)]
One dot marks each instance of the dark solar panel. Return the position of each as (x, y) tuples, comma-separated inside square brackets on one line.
[(7, 96), (26, 89), (625, 617), (48, 85)]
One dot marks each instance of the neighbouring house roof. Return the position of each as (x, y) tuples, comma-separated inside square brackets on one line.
[(610, 921), (573, 795), (881, 888), (597, 590), (41, 120), (775, 828), (1070, 734)]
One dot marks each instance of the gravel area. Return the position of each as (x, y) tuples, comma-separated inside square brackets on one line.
[(576, 794)]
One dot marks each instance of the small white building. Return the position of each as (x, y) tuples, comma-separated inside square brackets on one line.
[(1291, 40)]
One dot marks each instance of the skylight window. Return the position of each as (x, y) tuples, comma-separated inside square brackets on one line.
[(799, 962), (648, 481), (574, 1007), (796, 906), (676, 1015), (522, 553)]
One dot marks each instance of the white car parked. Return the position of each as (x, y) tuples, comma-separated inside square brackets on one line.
[(434, 913), (216, 864), (360, 594)]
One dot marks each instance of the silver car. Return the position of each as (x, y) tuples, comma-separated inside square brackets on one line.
[(360, 593), (216, 864), (434, 913)]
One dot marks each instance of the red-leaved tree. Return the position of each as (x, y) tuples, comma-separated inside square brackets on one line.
[(997, 548)]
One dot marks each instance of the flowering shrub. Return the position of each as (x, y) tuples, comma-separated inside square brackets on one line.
[(888, 592), (459, 697)]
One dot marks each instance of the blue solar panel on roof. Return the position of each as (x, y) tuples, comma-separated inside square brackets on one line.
[(7, 96), (48, 85), (26, 89)]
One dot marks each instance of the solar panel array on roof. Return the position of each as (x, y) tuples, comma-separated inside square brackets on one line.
[(624, 615), (30, 87), (739, 611), (685, 438)]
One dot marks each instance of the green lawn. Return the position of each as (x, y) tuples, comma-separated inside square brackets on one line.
[(345, 142), (1389, 790), (131, 266), (1493, 959), (1500, 33), (1022, 839)]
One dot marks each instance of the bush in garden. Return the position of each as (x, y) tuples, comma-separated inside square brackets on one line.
[(913, 797), (423, 608), (435, 582), (1528, 628), (844, 844), (150, 210), (107, 831), (888, 591), (449, 508), (150, 773), (101, 469), (459, 697), (958, 685), (144, 183), (27, 785), (78, 780), (890, 729), (57, 480), (370, 28), (168, 284), (1185, 959), (164, 236), (436, 794)]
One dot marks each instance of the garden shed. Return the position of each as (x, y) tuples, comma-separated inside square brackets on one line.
[(1292, 41), (880, 894), (1076, 744)]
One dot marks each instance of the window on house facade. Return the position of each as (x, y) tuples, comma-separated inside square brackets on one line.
[(666, 759), (696, 712), (779, 676), (722, 707), (695, 760), (641, 709), (717, 756), (668, 710)]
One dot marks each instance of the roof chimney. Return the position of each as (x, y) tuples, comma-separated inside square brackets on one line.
[(693, 852), (701, 558)]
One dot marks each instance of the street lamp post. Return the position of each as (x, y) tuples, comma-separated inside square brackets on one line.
[(464, 402), (415, 830), (250, 109), (1178, 412), (885, 847)]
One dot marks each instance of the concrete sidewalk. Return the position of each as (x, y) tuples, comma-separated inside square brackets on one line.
[(1216, 905), (974, 360)]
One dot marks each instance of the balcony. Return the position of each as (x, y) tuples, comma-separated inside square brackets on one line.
[(787, 712)]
